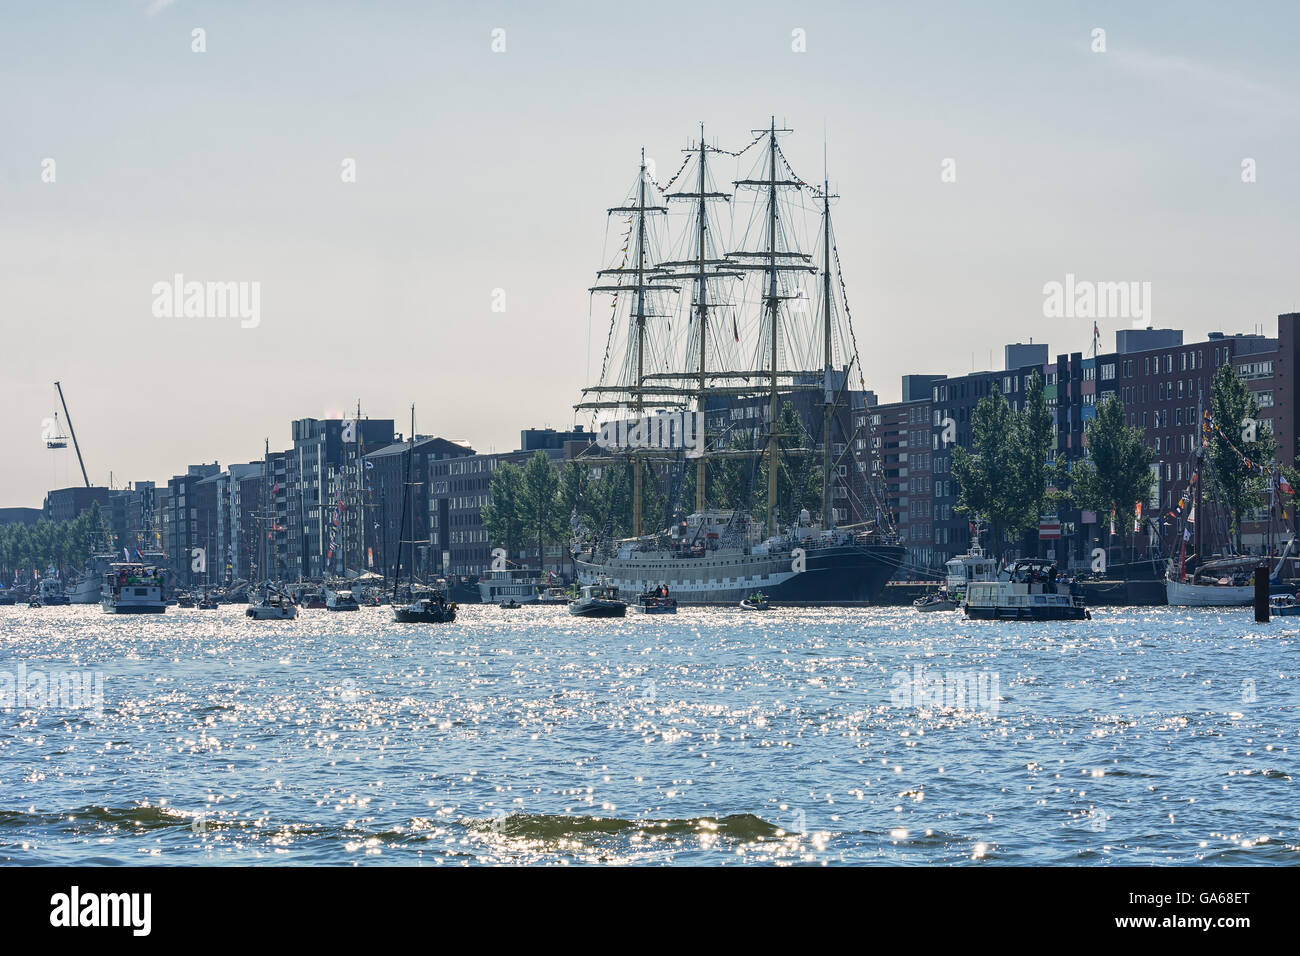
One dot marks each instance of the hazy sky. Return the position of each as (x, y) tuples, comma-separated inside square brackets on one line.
[(478, 171)]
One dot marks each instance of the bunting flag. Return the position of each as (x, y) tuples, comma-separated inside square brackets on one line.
[(1137, 517), (1245, 459), (1285, 485)]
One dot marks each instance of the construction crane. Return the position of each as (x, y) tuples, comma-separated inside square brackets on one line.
[(68, 418)]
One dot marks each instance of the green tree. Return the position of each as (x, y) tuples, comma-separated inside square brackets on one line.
[(540, 504), (1038, 442), (1117, 470), (503, 514), (990, 476), (1232, 484)]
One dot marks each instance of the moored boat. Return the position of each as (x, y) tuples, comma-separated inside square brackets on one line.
[(1224, 582), (512, 584)]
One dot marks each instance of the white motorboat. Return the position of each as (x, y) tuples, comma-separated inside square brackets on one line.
[(341, 599), (274, 606)]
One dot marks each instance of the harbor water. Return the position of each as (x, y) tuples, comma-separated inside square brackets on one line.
[(712, 737)]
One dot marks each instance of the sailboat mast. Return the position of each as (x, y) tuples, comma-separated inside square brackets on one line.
[(359, 508), (267, 512), (828, 520), (773, 304), (406, 493), (639, 399), (702, 299)]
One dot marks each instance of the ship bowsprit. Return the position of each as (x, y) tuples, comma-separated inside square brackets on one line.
[(841, 574)]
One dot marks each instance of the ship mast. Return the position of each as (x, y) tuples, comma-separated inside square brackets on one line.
[(774, 316), (701, 264), (645, 274), (776, 262), (828, 520), (638, 404)]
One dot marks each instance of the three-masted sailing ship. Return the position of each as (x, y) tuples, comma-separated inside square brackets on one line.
[(658, 390)]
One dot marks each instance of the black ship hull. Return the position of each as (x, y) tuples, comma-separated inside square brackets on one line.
[(847, 574)]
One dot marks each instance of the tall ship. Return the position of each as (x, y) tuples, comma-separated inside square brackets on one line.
[(784, 502)]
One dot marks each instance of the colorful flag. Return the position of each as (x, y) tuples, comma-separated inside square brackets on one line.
[(1112, 519), (1137, 517), (1285, 486)]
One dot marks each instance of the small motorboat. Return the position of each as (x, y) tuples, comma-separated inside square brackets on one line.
[(1284, 605), (655, 602), (511, 605), (207, 603), (598, 600), (34, 601), (426, 610), (340, 600), (939, 600), (274, 606), (184, 600), (756, 602)]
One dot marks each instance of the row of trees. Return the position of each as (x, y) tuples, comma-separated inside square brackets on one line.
[(533, 506), (1008, 478), (64, 545)]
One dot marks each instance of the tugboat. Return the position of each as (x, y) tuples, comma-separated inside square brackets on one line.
[(756, 602), (1030, 590), (131, 588), (598, 600), (655, 602)]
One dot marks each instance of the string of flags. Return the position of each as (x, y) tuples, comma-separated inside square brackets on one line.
[(669, 185), (1250, 464)]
